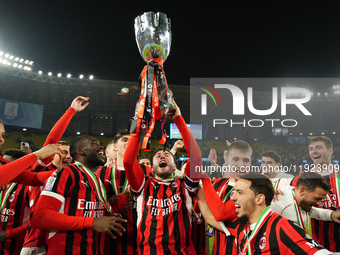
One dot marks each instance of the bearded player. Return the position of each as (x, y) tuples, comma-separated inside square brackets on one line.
[(164, 205)]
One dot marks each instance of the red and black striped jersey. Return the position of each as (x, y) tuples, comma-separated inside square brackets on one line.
[(77, 195), (14, 214), (277, 235), (164, 216), (127, 243), (198, 233), (327, 233), (223, 244), (36, 237)]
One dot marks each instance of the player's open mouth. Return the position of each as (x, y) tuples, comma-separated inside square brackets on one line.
[(237, 208), (163, 163), (65, 163), (101, 154)]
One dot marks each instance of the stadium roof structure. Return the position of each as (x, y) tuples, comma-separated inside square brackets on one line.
[(110, 110)]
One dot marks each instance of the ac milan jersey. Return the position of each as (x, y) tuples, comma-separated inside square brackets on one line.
[(77, 194), (164, 209), (327, 233), (14, 214), (277, 235), (223, 244), (125, 244), (36, 237), (198, 233)]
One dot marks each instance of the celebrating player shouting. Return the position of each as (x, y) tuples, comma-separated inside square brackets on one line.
[(72, 203), (257, 229), (164, 205)]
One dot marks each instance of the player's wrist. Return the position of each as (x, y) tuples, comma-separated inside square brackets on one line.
[(88, 222), (72, 110)]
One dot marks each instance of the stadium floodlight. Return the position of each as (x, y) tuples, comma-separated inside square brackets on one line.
[(78, 133), (81, 76), (9, 63), (31, 63), (69, 76), (91, 77), (21, 60), (11, 57), (20, 66), (6, 55), (4, 61), (318, 93), (24, 129), (334, 133), (26, 62), (101, 133), (326, 94), (59, 74), (15, 65), (301, 133), (323, 133), (1, 53), (16, 59), (49, 73)]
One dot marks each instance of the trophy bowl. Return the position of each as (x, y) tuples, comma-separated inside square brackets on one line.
[(153, 35)]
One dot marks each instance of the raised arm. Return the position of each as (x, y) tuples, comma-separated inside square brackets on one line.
[(194, 152), (221, 211), (31, 178), (133, 170), (59, 128), (206, 212), (11, 170)]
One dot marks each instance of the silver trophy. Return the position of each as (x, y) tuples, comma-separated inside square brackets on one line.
[(153, 31), (153, 37)]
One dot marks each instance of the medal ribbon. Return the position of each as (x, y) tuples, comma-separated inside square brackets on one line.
[(306, 227), (276, 184), (225, 197), (263, 218), (335, 183), (4, 198), (98, 184), (114, 181)]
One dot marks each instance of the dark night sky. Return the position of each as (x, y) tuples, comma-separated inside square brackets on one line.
[(211, 40)]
